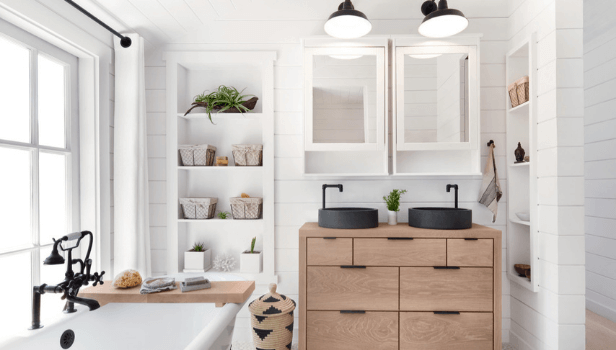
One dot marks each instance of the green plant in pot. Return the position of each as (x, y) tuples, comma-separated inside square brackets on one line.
[(223, 215), (251, 261), (224, 100), (198, 258), (393, 205)]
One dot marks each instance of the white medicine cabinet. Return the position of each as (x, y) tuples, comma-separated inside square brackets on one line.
[(434, 98)]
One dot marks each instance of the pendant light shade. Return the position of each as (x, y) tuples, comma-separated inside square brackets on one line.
[(441, 21), (347, 23)]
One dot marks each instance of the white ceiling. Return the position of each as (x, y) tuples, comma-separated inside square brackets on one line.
[(166, 21)]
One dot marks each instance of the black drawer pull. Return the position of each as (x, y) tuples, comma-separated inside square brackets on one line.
[(352, 312), (352, 267), (329, 237), (446, 267), (471, 239), (400, 238), (446, 312)]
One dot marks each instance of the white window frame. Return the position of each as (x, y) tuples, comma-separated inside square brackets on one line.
[(37, 47)]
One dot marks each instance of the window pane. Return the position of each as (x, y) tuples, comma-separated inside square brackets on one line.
[(52, 305), (14, 92), (15, 198), (52, 198), (51, 102), (16, 270)]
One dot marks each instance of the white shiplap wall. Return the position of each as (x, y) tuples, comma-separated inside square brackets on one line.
[(600, 158), (298, 198), (553, 318)]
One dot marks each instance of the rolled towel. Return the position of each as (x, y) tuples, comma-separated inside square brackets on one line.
[(155, 285)]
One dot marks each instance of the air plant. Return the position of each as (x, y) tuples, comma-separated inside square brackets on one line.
[(223, 215), (198, 247), (221, 100), (393, 200)]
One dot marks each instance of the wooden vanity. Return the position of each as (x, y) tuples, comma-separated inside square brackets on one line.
[(399, 288)]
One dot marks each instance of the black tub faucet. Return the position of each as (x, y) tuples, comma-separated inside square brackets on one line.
[(72, 281), (455, 187), (327, 186)]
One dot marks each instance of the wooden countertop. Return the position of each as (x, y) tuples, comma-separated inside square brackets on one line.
[(312, 229), (220, 293)]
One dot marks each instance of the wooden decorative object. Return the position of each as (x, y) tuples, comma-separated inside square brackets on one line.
[(222, 161), (519, 154), (250, 104), (521, 269)]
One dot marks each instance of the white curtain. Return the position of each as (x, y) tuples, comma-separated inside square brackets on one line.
[(131, 204)]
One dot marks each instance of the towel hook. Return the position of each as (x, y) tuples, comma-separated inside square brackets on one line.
[(491, 143)]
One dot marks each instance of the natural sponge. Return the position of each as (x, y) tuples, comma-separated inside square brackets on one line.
[(127, 279)]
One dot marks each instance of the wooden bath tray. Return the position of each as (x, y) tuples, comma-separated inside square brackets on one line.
[(222, 292)]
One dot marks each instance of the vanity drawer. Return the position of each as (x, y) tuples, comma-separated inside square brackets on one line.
[(344, 331), (400, 252), (468, 252), (429, 331), (431, 289), (338, 288), (329, 251)]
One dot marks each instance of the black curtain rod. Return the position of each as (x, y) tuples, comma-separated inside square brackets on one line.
[(124, 40)]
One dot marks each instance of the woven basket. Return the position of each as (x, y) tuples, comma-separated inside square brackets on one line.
[(198, 208), (198, 155), (246, 208), (513, 95), (523, 89), (272, 321), (247, 155)]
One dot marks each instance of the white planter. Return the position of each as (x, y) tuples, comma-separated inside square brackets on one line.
[(251, 263), (197, 261), (392, 217)]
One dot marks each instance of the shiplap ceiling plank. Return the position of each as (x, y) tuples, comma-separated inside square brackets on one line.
[(203, 9), (160, 17), (183, 14)]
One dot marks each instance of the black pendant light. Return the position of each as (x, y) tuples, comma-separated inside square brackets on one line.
[(441, 21), (347, 22)]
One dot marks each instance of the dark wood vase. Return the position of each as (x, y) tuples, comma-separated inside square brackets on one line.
[(519, 154)]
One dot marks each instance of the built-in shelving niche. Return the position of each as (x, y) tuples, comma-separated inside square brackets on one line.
[(192, 73), (522, 177)]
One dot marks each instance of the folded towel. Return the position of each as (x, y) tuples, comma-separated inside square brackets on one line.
[(491, 191), (155, 285)]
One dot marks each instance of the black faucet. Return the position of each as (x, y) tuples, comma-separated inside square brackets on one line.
[(72, 281), (327, 186), (455, 187)]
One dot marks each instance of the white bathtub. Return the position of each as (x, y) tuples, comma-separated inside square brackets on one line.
[(138, 326)]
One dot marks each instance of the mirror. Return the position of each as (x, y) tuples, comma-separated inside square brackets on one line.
[(436, 104), (344, 99)]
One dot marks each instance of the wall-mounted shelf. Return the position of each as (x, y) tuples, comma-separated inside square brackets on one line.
[(191, 73), (522, 177)]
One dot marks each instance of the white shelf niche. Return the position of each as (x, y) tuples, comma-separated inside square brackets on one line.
[(189, 74), (522, 177)]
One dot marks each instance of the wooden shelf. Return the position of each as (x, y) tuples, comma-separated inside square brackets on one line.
[(521, 108), (521, 222)]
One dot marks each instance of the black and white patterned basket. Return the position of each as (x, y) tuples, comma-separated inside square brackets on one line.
[(272, 321), (198, 208), (246, 208), (247, 155), (197, 155)]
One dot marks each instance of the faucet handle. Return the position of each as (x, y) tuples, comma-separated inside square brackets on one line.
[(98, 278)]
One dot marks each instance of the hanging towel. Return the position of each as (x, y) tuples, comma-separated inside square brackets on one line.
[(491, 191)]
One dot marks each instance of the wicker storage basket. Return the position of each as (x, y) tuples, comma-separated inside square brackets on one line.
[(246, 208), (197, 155), (198, 208), (523, 89), (247, 155), (272, 321), (513, 95)]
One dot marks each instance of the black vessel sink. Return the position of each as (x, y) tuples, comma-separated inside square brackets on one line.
[(348, 218), (441, 218)]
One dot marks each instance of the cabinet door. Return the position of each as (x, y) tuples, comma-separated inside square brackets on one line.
[(323, 251), (397, 252), (429, 331), (431, 289), (352, 331), (339, 288)]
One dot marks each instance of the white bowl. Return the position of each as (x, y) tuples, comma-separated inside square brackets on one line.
[(523, 215)]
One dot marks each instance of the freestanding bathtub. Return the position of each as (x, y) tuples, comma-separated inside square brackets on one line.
[(138, 326)]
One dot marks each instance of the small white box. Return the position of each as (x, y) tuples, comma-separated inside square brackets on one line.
[(198, 261), (251, 263)]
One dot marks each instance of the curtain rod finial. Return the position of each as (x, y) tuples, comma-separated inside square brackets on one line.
[(125, 42)]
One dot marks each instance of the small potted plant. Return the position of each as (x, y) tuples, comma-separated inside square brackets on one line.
[(393, 205), (223, 215), (197, 259), (251, 261)]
